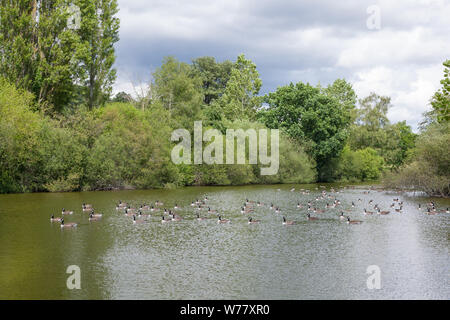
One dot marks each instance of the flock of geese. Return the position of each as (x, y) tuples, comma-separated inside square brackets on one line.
[(142, 213)]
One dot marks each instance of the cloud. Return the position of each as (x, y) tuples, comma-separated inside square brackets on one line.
[(293, 41)]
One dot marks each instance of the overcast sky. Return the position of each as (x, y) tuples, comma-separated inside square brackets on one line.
[(291, 41)]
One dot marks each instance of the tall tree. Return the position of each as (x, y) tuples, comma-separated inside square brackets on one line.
[(343, 92), (98, 31), (37, 48), (316, 120), (240, 99), (441, 99), (372, 111), (178, 90), (214, 75)]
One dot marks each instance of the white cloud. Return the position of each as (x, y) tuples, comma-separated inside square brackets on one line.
[(297, 41)]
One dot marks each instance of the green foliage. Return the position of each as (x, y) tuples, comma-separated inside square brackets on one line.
[(58, 63), (343, 92), (361, 165), (178, 89), (37, 49), (98, 31), (312, 118), (429, 169), (441, 99), (214, 76), (240, 99), (373, 130)]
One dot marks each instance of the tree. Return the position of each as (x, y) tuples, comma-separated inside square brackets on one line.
[(343, 92), (98, 31), (441, 99), (372, 111), (429, 169), (240, 99), (122, 97), (37, 49), (312, 118), (214, 75), (178, 90)]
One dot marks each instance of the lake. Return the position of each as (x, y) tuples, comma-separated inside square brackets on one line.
[(190, 259)]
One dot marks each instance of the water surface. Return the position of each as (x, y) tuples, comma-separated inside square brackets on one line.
[(191, 259)]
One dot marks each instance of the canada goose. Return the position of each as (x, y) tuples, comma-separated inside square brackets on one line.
[(299, 205), (399, 210), (318, 210), (211, 211), (137, 221), (175, 206), (220, 220), (308, 217), (288, 222), (164, 220), (420, 206), (353, 221), (341, 216), (53, 219), (87, 209), (92, 218), (251, 221), (430, 213), (121, 205), (176, 218), (158, 203), (67, 225), (200, 218), (367, 212), (129, 212), (66, 212), (142, 214), (353, 204), (382, 212), (96, 215)]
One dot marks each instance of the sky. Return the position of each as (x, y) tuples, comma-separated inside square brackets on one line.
[(393, 48)]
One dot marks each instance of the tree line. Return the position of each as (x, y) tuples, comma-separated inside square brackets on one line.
[(62, 130)]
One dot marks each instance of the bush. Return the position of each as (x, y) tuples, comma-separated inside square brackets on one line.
[(429, 170)]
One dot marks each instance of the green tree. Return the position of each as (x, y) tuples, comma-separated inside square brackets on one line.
[(429, 168), (214, 75), (98, 31), (343, 92), (240, 99), (441, 99), (316, 120), (122, 97), (372, 112), (179, 91), (37, 49)]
